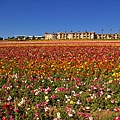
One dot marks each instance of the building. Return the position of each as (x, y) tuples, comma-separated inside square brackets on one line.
[(108, 36), (70, 35), (80, 35), (49, 36), (25, 37)]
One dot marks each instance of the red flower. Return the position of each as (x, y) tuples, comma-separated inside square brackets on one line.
[(4, 118), (22, 116), (5, 106), (53, 96), (117, 118)]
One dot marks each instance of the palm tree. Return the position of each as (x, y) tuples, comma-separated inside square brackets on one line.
[(110, 30), (102, 33), (119, 32)]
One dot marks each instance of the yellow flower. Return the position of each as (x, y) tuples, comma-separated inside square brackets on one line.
[(69, 63), (46, 98), (3, 66), (72, 102), (110, 81), (114, 74)]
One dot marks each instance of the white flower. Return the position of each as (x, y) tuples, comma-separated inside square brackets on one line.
[(36, 92), (78, 102), (66, 96), (73, 91), (22, 102), (58, 115), (77, 86), (73, 111), (9, 98), (8, 88), (89, 89), (28, 108), (91, 118), (46, 109), (108, 96), (92, 97), (68, 99), (87, 108), (70, 114), (95, 78), (101, 92), (81, 92), (25, 81)]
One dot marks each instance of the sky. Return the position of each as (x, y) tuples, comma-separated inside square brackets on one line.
[(35, 17)]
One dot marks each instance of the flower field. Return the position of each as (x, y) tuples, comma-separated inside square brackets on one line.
[(60, 82)]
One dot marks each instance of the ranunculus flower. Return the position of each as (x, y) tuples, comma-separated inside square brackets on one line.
[(72, 102), (112, 101), (116, 109), (108, 96), (53, 96), (117, 118), (75, 94)]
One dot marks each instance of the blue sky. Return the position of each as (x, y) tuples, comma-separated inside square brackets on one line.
[(35, 17)]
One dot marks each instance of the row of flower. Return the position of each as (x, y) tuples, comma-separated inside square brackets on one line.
[(60, 82)]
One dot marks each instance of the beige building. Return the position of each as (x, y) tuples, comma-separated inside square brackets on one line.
[(80, 35), (49, 36), (108, 36), (70, 35)]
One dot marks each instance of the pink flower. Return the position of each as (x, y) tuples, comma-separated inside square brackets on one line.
[(16, 109), (99, 85), (93, 88), (22, 116), (41, 88), (86, 115), (38, 105), (26, 97), (46, 91), (11, 117), (31, 79), (75, 94), (60, 89), (53, 96), (116, 109), (108, 89), (4, 118), (112, 101), (117, 118), (36, 115), (70, 114), (68, 108), (45, 103)]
